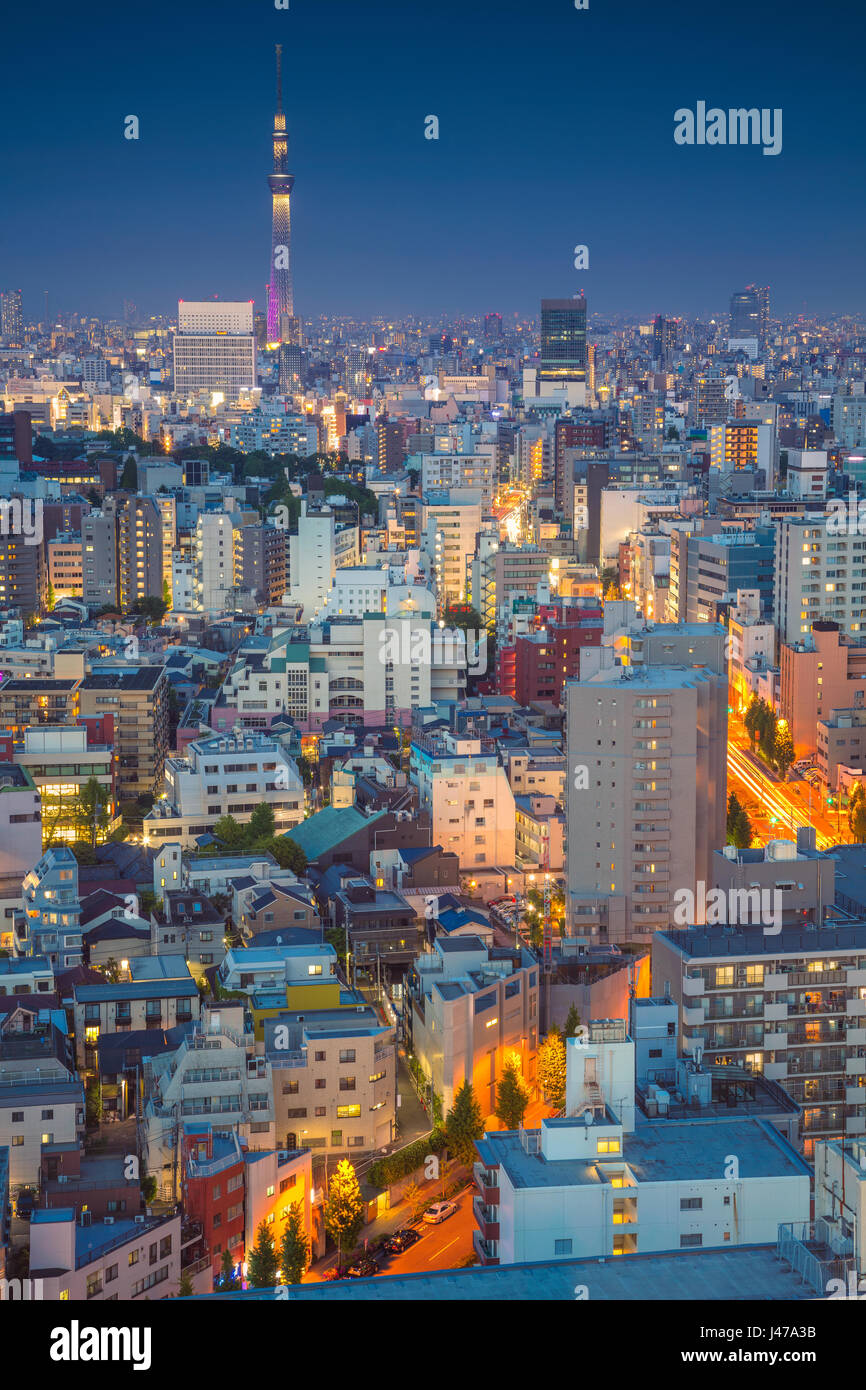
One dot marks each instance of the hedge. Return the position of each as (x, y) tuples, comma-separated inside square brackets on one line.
[(405, 1161)]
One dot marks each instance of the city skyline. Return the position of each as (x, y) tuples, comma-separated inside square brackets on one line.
[(382, 224)]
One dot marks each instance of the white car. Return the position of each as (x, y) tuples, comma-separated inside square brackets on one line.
[(440, 1211)]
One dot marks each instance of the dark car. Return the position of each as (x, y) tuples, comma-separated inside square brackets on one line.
[(363, 1269), (25, 1204), (401, 1240)]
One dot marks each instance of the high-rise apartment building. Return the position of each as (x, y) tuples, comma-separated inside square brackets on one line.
[(23, 573), (11, 320), (645, 794), (99, 558), (140, 571), (138, 700), (214, 348), (819, 575)]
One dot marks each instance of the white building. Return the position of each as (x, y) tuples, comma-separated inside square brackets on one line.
[(225, 775), (469, 796), (820, 573), (599, 1182), (216, 560), (449, 470), (312, 559), (214, 349), (452, 520)]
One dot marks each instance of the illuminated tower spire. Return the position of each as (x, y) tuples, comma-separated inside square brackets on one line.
[(280, 300)]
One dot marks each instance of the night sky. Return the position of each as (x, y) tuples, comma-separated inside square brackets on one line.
[(556, 128)]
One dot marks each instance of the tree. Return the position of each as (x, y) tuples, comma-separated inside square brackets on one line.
[(572, 1022), (512, 1096), (129, 476), (783, 750), (262, 1263), (93, 799), (464, 1124), (262, 822), (857, 813), (287, 854), (51, 597), (228, 1280), (294, 1247), (166, 595), (93, 1102), (230, 831), (150, 607), (184, 1288), (551, 1068), (344, 1209), (739, 828), (463, 616)]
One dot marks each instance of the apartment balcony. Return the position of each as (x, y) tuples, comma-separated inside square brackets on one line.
[(855, 1095), (855, 1037), (775, 981), (776, 1040), (855, 1066), (484, 1250), (774, 1012), (489, 1193), (693, 1018), (855, 1124), (856, 977), (855, 1008), (487, 1219), (693, 985)]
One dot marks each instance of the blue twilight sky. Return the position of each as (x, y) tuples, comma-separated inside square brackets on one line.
[(556, 128)]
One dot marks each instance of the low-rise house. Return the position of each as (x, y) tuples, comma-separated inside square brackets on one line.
[(283, 902), (214, 1075), (78, 1259), (160, 993), (190, 922), (334, 1079), (381, 927), (303, 975)]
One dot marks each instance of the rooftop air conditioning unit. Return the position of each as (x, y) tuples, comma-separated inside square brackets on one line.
[(140, 1220), (109, 1220)]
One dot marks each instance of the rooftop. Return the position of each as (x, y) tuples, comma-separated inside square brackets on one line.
[(690, 1150), (745, 1274)]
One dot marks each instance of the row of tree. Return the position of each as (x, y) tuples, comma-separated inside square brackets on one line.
[(770, 736)]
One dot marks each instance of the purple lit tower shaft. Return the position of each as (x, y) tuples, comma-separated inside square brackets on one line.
[(280, 299)]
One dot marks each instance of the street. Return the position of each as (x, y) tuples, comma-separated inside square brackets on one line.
[(440, 1247), (780, 800)]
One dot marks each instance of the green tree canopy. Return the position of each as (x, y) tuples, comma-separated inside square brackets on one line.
[(739, 827), (572, 1022), (344, 1208), (551, 1068), (294, 1246), (464, 1124), (512, 1096), (262, 1263)]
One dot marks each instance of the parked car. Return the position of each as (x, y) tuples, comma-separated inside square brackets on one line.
[(363, 1269), (401, 1240), (25, 1204), (440, 1211)]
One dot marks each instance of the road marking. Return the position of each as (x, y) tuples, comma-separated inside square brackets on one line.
[(444, 1248)]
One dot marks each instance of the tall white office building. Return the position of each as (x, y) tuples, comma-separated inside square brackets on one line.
[(214, 348)]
